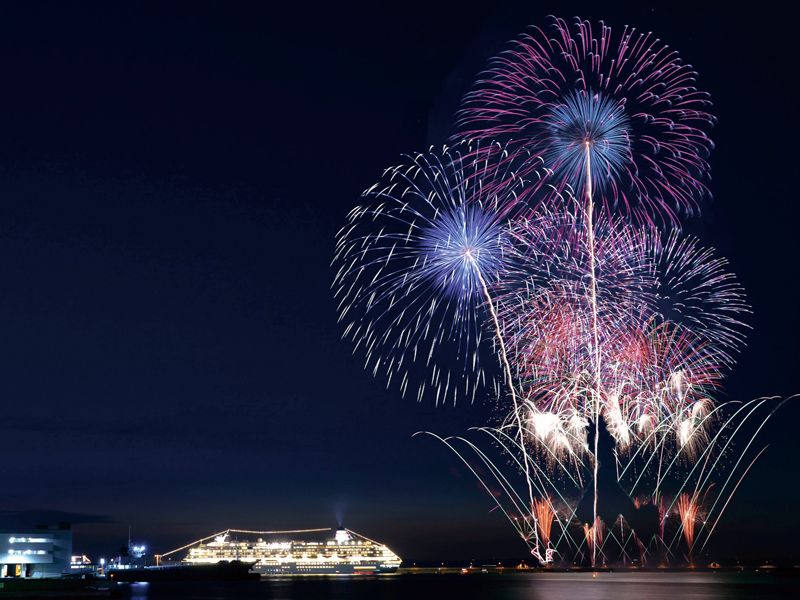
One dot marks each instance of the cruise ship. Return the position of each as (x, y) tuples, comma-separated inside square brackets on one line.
[(299, 552)]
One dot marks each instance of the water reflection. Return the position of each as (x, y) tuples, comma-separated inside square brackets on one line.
[(506, 586)]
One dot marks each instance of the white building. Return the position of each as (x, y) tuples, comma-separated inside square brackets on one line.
[(40, 552)]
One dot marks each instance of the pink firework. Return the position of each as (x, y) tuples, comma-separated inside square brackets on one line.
[(627, 105), (647, 355)]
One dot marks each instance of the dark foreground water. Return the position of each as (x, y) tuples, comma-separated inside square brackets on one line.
[(508, 586)]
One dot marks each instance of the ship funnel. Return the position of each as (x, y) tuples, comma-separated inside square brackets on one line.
[(342, 535)]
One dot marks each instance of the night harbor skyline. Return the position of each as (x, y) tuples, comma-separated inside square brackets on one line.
[(174, 176)]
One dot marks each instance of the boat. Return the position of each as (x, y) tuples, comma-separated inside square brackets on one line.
[(298, 552)]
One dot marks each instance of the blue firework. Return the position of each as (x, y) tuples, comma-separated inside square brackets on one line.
[(461, 250), (416, 263), (587, 128)]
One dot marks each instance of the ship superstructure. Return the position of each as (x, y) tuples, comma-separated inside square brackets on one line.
[(302, 552)]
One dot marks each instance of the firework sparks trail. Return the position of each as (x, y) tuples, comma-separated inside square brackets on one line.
[(558, 478), (593, 301), (543, 509), (731, 496), (688, 508), (631, 98), (594, 537), (509, 379)]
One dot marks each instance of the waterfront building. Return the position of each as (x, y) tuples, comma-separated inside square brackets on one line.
[(39, 552)]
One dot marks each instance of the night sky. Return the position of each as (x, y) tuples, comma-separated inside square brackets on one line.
[(172, 176)]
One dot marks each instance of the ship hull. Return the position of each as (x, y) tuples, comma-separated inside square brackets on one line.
[(221, 571), (301, 568)]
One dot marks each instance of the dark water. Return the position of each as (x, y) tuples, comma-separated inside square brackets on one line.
[(516, 586)]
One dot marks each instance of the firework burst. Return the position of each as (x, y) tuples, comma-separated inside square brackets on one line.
[(650, 350), (600, 321), (628, 100), (688, 284), (416, 264)]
